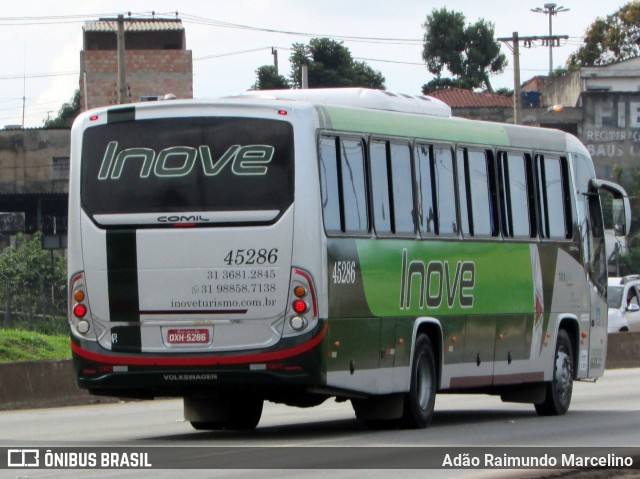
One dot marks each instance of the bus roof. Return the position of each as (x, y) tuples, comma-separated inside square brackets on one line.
[(357, 97)]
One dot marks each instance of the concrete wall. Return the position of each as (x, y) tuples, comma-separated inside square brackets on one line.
[(563, 91), (27, 161), (623, 350), (41, 384), (611, 130), (617, 77), (52, 383)]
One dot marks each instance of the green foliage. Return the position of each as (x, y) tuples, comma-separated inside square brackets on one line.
[(504, 91), (444, 41), (564, 71), (34, 286), (612, 39), (630, 180), (330, 64), (20, 345), (442, 83), (68, 112), (268, 79), (470, 53), (630, 262)]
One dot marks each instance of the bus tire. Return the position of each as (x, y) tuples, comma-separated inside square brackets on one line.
[(560, 388), (243, 413), (208, 425), (420, 400)]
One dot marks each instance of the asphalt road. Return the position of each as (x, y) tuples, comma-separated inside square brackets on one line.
[(602, 415)]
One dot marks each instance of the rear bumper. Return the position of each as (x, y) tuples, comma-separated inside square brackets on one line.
[(295, 363)]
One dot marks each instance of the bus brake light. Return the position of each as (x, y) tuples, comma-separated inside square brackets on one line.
[(300, 306), (79, 310)]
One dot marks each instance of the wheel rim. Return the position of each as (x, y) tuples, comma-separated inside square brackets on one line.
[(563, 376), (423, 386)]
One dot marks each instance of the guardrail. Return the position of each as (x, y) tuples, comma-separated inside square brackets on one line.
[(52, 383)]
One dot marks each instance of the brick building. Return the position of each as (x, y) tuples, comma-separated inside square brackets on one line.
[(482, 106), (34, 163), (156, 61)]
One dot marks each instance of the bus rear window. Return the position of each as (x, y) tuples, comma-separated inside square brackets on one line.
[(160, 168)]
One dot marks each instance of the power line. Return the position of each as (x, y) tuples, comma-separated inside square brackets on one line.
[(187, 18), (37, 75), (241, 52)]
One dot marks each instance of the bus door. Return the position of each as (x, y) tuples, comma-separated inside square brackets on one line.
[(596, 262)]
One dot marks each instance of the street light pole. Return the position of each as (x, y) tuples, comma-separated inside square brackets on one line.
[(550, 9)]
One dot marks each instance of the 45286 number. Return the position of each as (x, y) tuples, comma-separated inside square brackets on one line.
[(251, 256), (344, 272)]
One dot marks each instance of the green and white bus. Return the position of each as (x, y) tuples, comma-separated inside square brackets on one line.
[(293, 246)]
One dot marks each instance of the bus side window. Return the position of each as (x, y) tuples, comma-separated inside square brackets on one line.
[(353, 194), (553, 188), (445, 192), (342, 181), (402, 188), (477, 184), (330, 188), (427, 187), (380, 199), (464, 191), (517, 212)]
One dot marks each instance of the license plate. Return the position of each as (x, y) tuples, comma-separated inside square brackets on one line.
[(188, 336)]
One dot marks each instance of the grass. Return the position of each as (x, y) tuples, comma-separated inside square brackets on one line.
[(20, 345)]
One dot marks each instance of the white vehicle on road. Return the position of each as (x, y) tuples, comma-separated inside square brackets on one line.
[(623, 298)]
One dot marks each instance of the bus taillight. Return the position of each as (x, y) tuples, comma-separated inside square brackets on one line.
[(79, 311), (303, 311), (78, 306), (299, 306)]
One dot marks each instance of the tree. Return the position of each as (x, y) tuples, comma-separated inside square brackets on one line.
[(330, 64), (560, 72), (470, 54), (68, 112), (268, 79), (34, 284), (612, 39)]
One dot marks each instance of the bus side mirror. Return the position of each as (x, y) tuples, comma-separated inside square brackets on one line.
[(621, 208)]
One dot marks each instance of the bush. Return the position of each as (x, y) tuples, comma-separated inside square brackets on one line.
[(34, 293)]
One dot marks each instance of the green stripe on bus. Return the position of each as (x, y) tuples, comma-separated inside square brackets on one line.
[(387, 123), (424, 278)]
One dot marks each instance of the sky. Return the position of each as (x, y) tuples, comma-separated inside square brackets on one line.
[(40, 42)]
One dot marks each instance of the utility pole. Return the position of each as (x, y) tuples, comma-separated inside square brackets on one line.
[(24, 83), (515, 41), (527, 42), (274, 52), (122, 84), (517, 102), (551, 9)]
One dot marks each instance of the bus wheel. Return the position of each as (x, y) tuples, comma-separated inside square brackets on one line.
[(559, 389), (421, 398)]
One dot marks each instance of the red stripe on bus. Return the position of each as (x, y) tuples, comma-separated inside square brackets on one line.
[(192, 311), (212, 361)]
